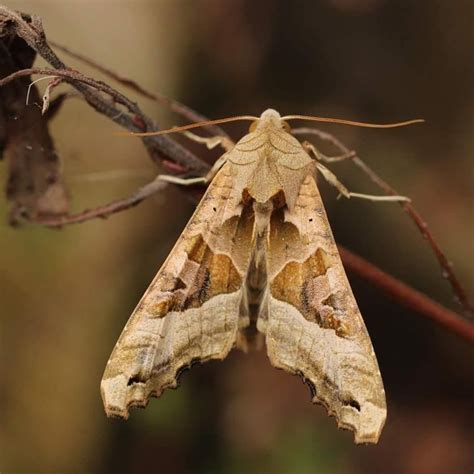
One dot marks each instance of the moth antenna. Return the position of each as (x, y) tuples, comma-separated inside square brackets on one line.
[(352, 122), (190, 126)]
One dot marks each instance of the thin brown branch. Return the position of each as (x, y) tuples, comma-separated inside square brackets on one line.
[(407, 296), (102, 212), (178, 159), (171, 104), (159, 148), (445, 264), (390, 285), (75, 76)]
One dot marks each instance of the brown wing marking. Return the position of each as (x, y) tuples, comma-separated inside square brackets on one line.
[(311, 320), (190, 312)]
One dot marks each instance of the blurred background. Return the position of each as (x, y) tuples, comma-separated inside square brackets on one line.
[(66, 295)]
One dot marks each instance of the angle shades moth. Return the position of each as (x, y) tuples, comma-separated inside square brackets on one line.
[(256, 266)]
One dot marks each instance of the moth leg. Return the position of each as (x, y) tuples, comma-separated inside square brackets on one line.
[(371, 197), (331, 178), (211, 142), (310, 148), (169, 178)]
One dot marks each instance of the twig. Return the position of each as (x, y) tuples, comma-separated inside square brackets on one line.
[(177, 158), (74, 76), (32, 33), (395, 288), (102, 212), (407, 296), (171, 104), (446, 265)]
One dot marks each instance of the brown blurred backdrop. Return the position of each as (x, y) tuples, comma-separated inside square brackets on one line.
[(66, 295)]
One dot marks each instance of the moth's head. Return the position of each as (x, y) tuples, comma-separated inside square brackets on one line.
[(269, 119)]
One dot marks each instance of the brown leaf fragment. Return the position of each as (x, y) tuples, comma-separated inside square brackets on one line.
[(34, 185)]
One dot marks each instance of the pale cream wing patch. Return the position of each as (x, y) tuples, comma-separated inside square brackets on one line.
[(312, 324), (190, 312)]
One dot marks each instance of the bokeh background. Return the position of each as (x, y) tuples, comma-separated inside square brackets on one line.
[(66, 295)]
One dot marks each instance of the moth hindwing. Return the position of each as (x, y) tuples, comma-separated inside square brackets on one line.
[(257, 261)]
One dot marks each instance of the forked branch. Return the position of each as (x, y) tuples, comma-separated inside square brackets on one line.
[(445, 264), (169, 103), (165, 151)]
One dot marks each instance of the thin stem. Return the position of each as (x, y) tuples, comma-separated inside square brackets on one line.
[(178, 159), (395, 288), (407, 296), (159, 148), (171, 104), (445, 264), (102, 212)]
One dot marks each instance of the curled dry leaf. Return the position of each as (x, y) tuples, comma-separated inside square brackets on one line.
[(34, 183)]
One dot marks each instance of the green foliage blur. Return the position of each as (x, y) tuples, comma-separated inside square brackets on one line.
[(66, 295)]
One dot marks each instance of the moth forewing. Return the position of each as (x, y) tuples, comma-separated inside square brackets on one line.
[(190, 312), (257, 255), (312, 323)]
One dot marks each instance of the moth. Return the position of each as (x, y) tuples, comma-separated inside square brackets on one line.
[(256, 265)]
